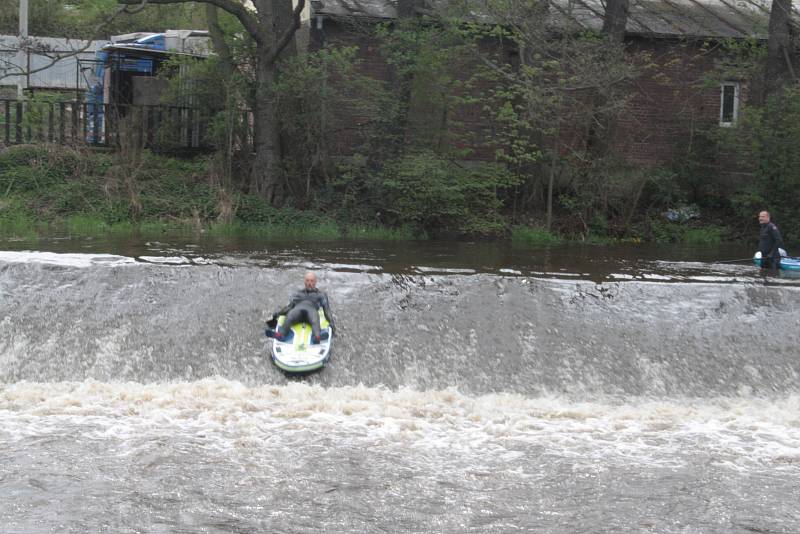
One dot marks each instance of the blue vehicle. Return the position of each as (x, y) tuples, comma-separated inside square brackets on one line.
[(130, 56)]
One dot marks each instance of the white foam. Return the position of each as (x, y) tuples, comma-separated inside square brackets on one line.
[(352, 267), (65, 260), (168, 260), (733, 431), (422, 269)]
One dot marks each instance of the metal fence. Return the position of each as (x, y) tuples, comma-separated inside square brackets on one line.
[(158, 127)]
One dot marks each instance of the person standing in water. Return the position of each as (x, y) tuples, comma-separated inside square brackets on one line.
[(304, 306), (769, 242)]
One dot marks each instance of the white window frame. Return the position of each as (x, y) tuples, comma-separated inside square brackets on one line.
[(736, 92)]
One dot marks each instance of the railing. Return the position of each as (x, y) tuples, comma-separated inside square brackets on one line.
[(70, 123)]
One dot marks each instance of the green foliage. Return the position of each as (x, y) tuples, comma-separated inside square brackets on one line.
[(667, 232), (317, 93), (534, 236), (766, 141), (16, 218), (710, 235), (439, 197), (428, 58), (93, 18), (670, 232), (326, 230), (739, 59), (38, 167), (380, 233)]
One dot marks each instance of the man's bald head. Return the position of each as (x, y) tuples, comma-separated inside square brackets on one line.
[(310, 280)]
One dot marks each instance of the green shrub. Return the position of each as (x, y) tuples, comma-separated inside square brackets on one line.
[(765, 141), (667, 232), (437, 196), (16, 220), (534, 235), (381, 233), (710, 235)]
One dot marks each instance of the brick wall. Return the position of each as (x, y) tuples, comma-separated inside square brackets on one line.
[(667, 101), (671, 98)]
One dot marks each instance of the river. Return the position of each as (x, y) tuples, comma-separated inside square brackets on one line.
[(473, 387)]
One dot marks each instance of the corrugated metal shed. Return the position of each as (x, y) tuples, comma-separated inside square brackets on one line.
[(39, 53), (657, 18)]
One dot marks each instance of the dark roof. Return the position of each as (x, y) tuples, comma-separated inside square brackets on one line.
[(664, 18)]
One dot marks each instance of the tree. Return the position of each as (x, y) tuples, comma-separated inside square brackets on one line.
[(555, 99), (272, 25), (779, 70)]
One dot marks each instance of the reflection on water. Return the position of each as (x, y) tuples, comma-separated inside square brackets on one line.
[(593, 262)]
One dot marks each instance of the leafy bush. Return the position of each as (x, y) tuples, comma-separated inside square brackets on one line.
[(766, 141), (36, 167), (534, 236), (437, 196), (667, 232), (710, 235)]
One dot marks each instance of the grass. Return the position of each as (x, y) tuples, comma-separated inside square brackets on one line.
[(534, 236), (274, 231), (711, 235), (381, 233), (22, 225), (18, 226)]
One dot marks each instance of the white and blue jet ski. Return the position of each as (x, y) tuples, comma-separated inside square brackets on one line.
[(788, 263), (296, 353)]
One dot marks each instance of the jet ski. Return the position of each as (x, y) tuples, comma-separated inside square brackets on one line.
[(788, 263), (297, 352)]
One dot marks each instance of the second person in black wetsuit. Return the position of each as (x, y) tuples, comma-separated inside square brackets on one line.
[(769, 242), (304, 306)]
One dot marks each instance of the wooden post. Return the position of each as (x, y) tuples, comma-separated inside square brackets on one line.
[(8, 122), (51, 135), (61, 114), (18, 121)]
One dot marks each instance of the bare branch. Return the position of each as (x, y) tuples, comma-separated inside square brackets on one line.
[(236, 9), (55, 59)]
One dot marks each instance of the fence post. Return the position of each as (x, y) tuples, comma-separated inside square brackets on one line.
[(61, 106), (51, 135), (84, 109), (18, 121), (75, 117), (8, 122)]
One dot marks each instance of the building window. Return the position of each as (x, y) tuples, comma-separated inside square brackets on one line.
[(728, 103)]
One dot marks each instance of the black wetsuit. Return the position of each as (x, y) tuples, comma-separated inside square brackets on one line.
[(303, 307), (769, 241)]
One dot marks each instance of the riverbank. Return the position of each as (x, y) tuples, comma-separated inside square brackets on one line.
[(48, 190)]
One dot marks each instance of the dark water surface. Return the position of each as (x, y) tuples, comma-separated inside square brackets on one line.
[(474, 387)]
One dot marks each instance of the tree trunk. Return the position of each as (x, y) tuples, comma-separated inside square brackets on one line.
[(615, 21), (266, 174), (283, 12), (218, 41), (780, 53), (407, 9), (603, 126), (550, 184)]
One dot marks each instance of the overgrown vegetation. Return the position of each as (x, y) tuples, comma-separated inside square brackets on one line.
[(409, 154), (50, 188)]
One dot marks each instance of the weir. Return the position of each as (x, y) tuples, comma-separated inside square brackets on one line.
[(119, 319), (462, 397)]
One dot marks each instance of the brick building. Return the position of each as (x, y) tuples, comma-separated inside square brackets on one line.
[(680, 92)]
